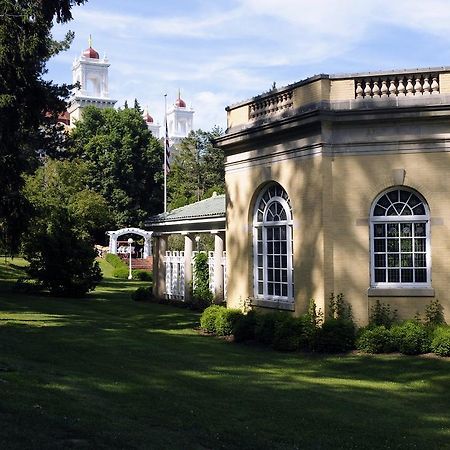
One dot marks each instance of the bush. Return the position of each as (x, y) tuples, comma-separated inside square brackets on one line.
[(287, 333), (28, 285), (121, 272), (309, 332), (336, 336), (375, 339), (202, 297), (143, 294), (434, 313), (142, 275), (226, 320), (244, 329), (114, 260), (208, 318), (441, 341), (339, 307), (410, 338), (265, 327), (381, 314)]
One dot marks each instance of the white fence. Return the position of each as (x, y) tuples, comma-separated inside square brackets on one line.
[(175, 270), (175, 275)]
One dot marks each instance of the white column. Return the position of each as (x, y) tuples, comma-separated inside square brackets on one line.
[(218, 271), (113, 244), (188, 247), (159, 267)]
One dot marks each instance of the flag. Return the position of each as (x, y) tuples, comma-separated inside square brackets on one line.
[(167, 151)]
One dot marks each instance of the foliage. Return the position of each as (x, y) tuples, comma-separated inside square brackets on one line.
[(208, 318), (434, 313), (339, 308), (114, 260), (244, 329), (201, 295), (142, 294), (382, 314), (410, 338), (197, 170), (265, 327), (287, 333), (142, 275), (58, 244), (440, 343), (124, 162), (29, 105), (375, 339), (314, 314), (336, 336), (226, 319)]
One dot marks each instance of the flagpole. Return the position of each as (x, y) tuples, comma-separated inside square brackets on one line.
[(165, 153)]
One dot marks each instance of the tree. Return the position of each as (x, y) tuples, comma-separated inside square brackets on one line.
[(197, 169), (137, 106), (25, 98), (59, 244), (124, 162)]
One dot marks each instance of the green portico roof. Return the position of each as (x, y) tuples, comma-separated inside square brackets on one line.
[(212, 207)]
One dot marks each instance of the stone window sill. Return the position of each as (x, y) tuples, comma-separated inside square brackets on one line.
[(400, 292), (275, 304)]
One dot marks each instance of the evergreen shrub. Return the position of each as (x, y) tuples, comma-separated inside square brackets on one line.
[(382, 314), (287, 333), (226, 319), (411, 338), (244, 329), (265, 327), (440, 344), (375, 339), (143, 294), (336, 336), (208, 318)]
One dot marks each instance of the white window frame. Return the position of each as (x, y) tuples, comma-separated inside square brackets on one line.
[(400, 219), (264, 225)]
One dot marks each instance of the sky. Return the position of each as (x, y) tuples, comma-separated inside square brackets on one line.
[(219, 52)]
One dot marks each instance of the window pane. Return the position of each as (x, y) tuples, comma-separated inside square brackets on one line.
[(405, 229), (380, 260), (379, 211), (421, 275), (393, 260), (379, 229), (277, 289), (260, 247), (407, 276), (392, 245), (260, 274), (419, 210), (419, 245), (407, 260), (384, 201), (276, 233), (393, 196), (392, 229), (419, 229), (260, 288), (420, 260), (393, 275), (380, 276), (270, 288), (270, 233), (406, 245), (259, 234), (284, 290), (284, 275), (380, 245)]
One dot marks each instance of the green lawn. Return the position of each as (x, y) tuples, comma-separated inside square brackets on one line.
[(107, 373)]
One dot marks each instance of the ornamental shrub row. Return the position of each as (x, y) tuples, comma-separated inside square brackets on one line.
[(281, 331), (121, 269), (410, 338)]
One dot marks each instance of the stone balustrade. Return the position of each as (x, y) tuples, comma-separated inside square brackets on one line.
[(397, 86), (272, 104)]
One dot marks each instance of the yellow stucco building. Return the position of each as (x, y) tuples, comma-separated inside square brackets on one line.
[(338, 183)]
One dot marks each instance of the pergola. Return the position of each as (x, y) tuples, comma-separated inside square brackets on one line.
[(205, 216), (113, 235)]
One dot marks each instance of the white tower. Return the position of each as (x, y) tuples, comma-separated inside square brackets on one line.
[(91, 73), (180, 121), (153, 128)]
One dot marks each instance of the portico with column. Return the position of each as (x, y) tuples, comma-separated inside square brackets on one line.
[(204, 217)]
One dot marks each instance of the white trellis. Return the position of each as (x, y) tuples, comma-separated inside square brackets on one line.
[(174, 275)]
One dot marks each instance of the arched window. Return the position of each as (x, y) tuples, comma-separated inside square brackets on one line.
[(400, 240), (272, 240)]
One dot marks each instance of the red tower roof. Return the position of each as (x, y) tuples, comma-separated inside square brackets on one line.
[(148, 118), (91, 53), (179, 102)]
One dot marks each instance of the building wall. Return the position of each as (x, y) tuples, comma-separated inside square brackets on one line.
[(332, 177)]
